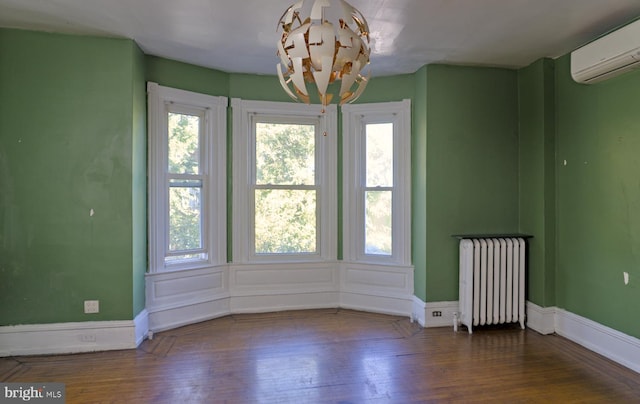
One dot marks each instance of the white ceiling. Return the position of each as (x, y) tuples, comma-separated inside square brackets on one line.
[(240, 35)]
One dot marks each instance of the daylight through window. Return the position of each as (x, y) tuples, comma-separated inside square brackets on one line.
[(285, 188), (185, 182), (187, 179), (377, 183)]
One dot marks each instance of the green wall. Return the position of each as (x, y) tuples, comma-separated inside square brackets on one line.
[(253, 87), (139, 179), (185, 76), (488, 153), (536, 94), (598, 198), (419, 185), (471, 165), (389, 88), (66, 125), (267, 88)]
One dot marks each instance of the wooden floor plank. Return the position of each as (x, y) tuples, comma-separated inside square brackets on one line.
[(334, 356)]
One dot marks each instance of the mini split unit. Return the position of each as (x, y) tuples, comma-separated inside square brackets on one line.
[(608, 56)]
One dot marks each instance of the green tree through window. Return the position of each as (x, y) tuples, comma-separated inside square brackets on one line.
[(187, 179), (378, 188), (285, 188), (185, 184)]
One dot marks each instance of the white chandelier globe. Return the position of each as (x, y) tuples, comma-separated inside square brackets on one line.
[(323, 42)]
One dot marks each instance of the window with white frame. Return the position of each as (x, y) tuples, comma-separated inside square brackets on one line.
[(187, 179), (377, 182), (284, 189)]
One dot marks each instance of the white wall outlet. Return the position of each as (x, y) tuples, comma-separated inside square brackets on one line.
[(88, 338), (91, 306)]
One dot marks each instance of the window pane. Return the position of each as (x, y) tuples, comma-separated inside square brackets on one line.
[(184, 144), (378, 222), (379, 155), (185, 212), (285, 154), (285, 221)]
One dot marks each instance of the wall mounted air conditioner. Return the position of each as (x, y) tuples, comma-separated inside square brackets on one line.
[(613, 54)]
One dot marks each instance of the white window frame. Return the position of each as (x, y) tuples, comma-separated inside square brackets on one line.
[(354, 120), (161, 101), (244, 112)]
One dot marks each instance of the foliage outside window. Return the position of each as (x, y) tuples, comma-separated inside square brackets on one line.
[(285, 191), (284, 195), (377, 158), (379, 188), (185, 186)]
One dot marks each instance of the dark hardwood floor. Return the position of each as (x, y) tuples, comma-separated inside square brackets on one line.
[(334, 356)]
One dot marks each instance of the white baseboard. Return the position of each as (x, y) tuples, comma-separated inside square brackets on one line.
[(75, 337), (541, 319), (426, 314), (57, 338), (282, 302), (141, 326), (175, 299), (169, 317), (178, 298), (397, 306), (386, 289), (418, 311), (613, 344), (446, 311)]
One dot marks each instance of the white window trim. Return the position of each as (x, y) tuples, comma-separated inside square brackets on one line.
[(326, 155), (214, 174), (354, 119)]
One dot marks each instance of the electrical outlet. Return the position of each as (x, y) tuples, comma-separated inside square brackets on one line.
[(436, 313), (91, 306), (88, 338)]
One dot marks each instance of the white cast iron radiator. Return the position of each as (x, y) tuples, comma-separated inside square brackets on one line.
[(492, 281)]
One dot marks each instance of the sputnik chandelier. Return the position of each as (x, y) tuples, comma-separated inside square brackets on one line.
[(325, 45)]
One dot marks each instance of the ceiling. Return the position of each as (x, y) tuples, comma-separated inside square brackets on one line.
[(240, 35)]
